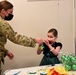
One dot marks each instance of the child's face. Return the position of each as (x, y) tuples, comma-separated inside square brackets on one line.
[(51, 38)]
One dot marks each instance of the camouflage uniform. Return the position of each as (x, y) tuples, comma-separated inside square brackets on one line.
[(6, 32)]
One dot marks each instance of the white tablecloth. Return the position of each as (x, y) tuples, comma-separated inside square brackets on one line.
[(25, 71), (37, 69)]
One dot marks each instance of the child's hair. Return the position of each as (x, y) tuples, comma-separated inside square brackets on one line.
[(54, 31)]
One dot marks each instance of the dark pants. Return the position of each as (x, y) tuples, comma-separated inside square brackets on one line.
[(0, 66)]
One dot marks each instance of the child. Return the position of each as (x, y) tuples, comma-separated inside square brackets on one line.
[(50, 48)]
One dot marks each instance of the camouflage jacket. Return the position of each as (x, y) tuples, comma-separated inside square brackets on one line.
[(6, 32)]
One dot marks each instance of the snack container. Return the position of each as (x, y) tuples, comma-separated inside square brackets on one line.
[(43, 73)]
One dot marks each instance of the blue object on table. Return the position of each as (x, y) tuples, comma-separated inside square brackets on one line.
[(17, 73)]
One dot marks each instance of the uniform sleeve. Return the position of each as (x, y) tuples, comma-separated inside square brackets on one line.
[(16, 38)]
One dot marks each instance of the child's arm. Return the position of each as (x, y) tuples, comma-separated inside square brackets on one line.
[(40, 49), (53, 50)]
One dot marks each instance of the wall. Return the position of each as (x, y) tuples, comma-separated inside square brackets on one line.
[(34, 18), (75, 25)]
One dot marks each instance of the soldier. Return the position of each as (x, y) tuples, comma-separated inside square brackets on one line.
[(7, 32)]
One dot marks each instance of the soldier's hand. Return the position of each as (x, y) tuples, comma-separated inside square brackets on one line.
[(10, 55), (39, 40)]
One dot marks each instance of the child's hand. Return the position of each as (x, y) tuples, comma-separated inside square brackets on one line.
[(10, 55), (49, 41), (39, 41), (46, 41)]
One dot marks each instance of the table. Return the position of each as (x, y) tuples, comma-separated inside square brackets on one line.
[(25, 71), (37, 69)]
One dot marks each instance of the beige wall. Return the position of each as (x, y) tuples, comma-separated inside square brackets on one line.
[(34, 18), (75, 27)]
